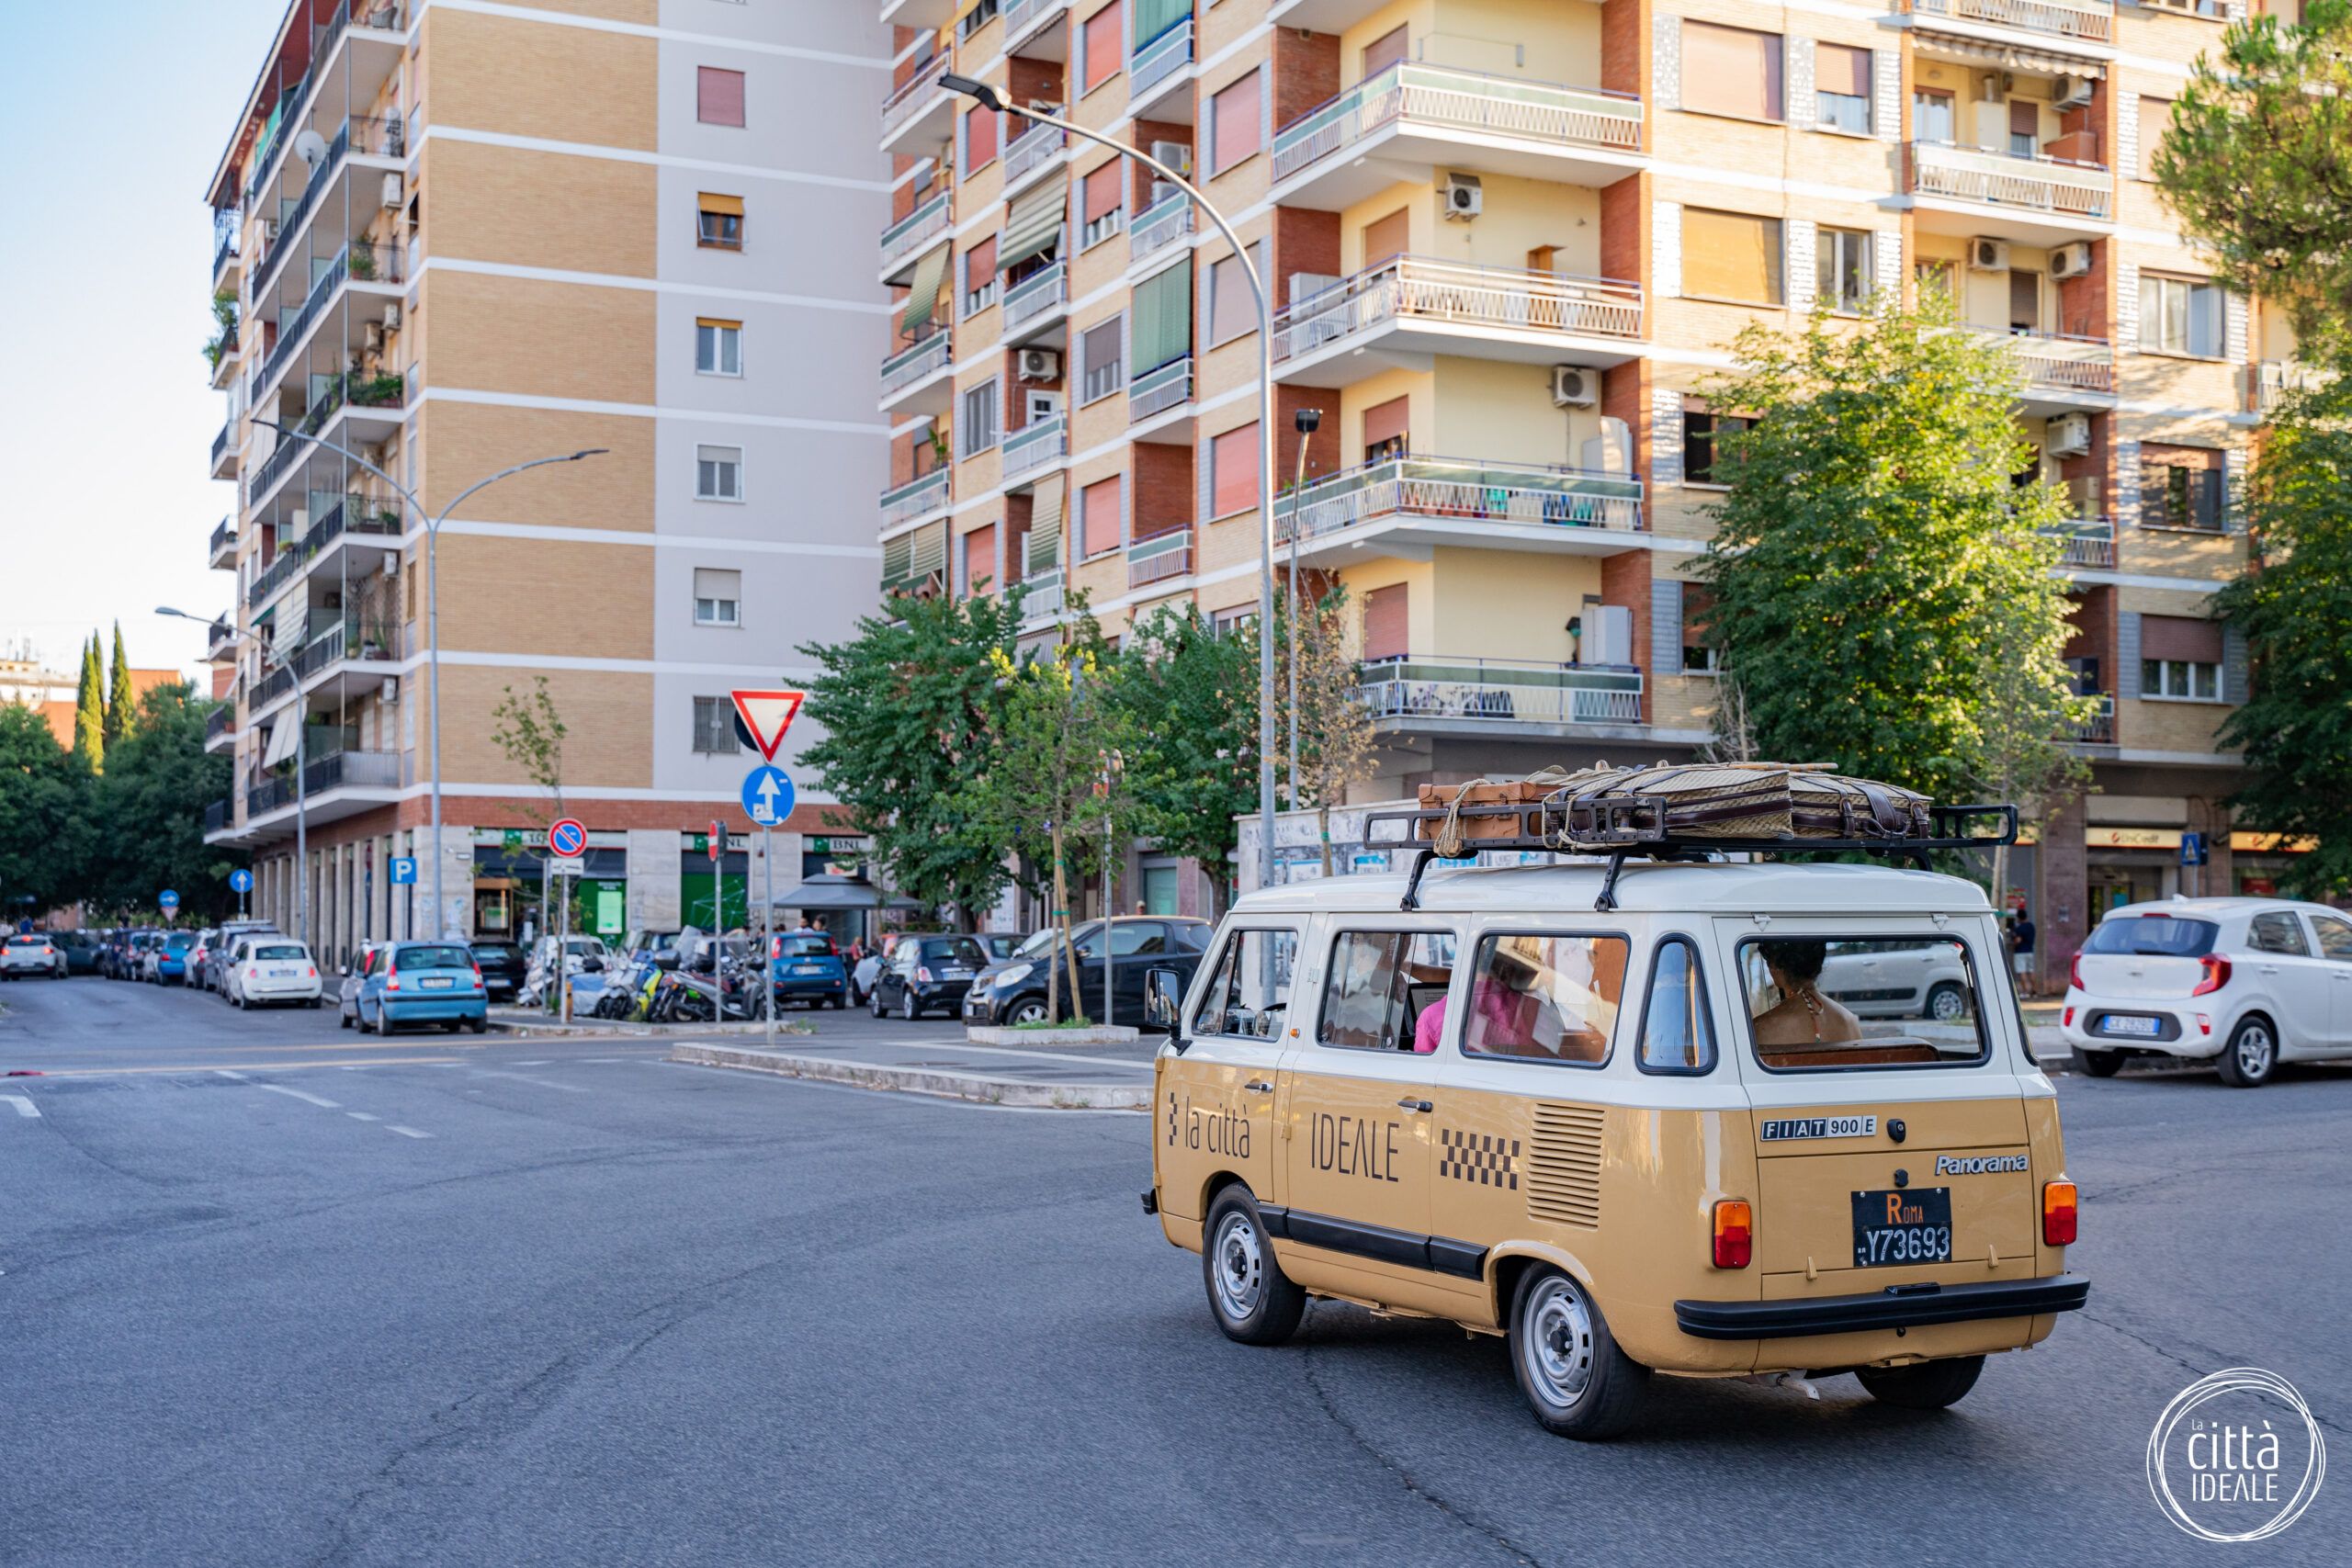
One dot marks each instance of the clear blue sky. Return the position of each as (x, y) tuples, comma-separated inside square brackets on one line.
[(118, 113)]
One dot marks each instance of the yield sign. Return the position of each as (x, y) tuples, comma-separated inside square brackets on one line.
[(767, 715)]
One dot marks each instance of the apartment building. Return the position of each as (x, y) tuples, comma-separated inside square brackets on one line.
[(464, 235), (1509, 241)]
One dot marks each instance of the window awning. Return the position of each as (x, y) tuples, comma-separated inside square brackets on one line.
[(1162, 322), (1045, 525), (1036, 224), (1975, 52), (923, 289), (732, 206), (282, 735)]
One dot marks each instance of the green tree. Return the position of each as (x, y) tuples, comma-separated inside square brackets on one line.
[(1880, 581), (121, 706), (146, 823), (1192, 695), (911, 709), (44, 815), (90, 711), (224, 328), (530, 730), (2256, 161)]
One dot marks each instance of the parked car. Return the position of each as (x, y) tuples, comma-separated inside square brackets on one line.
[(111, 950), (806, 967), (32, 955), (1016, 990), (168, 964), (2242, 983), (197, 955), (132, 963), (347, 990), (223, 948), (503, 967), (1903, 978), (272, 969), (421, 982), (927, 973), (81, 951), (1002, 946)]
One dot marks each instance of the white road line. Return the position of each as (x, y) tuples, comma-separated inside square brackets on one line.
[(405, 1132), (538, 1064), (362, 1116), (539, 1083), (296, 1094), (602, 1061), (225, 1073), (24, 1106)]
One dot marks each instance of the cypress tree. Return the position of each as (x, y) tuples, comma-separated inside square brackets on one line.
[(122, 708), (89, 710)]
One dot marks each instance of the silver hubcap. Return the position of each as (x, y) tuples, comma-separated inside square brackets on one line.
[(2253, 1050), (1946, 1007), (1029, 1012), (1239, 1270), (1555, 1341)]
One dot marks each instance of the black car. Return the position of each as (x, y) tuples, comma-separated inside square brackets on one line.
[(81, 951), (927, 973), (502, 967), (1016, 990)]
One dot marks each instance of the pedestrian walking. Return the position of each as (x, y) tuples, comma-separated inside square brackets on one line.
[(2021, 943)]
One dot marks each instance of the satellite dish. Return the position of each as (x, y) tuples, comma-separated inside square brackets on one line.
[(311, 147)]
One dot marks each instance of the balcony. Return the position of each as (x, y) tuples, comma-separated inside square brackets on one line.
[(353, 514), (386, 394), (1036, 300), (1411, 117), (1973, 191), (1435, 693), (908, 238), (217, 816), (919, 496), (2268, 383), (2084, 21), (1153, 69), (914, 379), (1156, 391), (921, 113), (266, 691), (1037, 444), (1158, 226), (224, 249), (387, 20), (1037, 148), (2061, 371), (1410, 307), (1159, 558), (222, 553), (1022, 18), (369, 139), (219, 641), (2099, 730), (1445, 501), (2086, 544), (272, 578), (219, 723), (225, 451), (1041, 597), (335, 771), (356, 263)]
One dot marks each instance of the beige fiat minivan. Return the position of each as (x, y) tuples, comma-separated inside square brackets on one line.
[(1705, 1119)]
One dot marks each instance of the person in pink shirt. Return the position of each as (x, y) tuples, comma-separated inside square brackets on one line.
[(1493, 1002)]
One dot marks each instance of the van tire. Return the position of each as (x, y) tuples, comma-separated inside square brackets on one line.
[(1556, 1331), (2252, 1055), (2097, 1064), (1924, 1385), (1253, 1301)]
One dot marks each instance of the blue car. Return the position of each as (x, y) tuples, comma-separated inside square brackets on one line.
[(806, 967), (171, 958), (420, 982)]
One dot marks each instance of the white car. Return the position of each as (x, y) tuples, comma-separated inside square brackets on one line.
[(1903, 978), (2243, 983), (29, 956), (270, 969)]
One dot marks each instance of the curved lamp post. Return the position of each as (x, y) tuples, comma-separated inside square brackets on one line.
[(301, 769)]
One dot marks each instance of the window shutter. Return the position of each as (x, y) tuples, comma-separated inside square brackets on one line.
[(2127, 483), (1045, 525), (1387, 622), (980, 559), (1236, 122), (1886, 258), (2234, 665), (1886, 113), (2127, 133), (2234, 327), (930, 550), (718, 96), (1100, 511), (1154, 18), (1234, 455), (2126, 653), (1386, 421), (923, 290), (895, 555), (2126, 305), (1103, 190), (1163, 320), (1103, 42), (1666, 627), (1035, 225), (1665, 62), (2232, 490)]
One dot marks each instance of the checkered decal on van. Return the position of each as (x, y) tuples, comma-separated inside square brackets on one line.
[(1476, 1156)]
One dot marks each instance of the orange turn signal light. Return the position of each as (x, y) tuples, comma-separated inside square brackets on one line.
[(2058, 1213), (1734, 1233)]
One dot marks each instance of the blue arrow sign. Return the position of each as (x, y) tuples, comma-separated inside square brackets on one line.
[(403, 870), (167, 900), (767, 795), (240, 881)]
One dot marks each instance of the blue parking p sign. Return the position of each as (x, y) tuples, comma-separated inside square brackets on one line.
[(402, 869)]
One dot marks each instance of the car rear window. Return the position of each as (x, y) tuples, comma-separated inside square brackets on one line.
[(178, 944), (434, 958), (804, 946), (27, 941), (1847, 1004), (279, 952), (958, 950), (2154, 936), (499, 951)]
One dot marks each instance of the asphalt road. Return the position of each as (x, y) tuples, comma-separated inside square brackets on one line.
[(559, 1302)]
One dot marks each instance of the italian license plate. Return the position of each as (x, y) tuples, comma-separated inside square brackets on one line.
[(1907, 1225), (956, 974), (438, 983), (2124, 1023), (281, 974), (806, 969)]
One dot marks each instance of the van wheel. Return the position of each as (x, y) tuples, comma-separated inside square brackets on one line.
[(1927, 1385), (2252, 1053), (2097, 1064), (1253, 1301), (1574, 1377), (1947, 1003)]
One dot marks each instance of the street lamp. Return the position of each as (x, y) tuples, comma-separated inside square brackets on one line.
[(432, 607), (1306, 420), (301, 769), (987, 97)]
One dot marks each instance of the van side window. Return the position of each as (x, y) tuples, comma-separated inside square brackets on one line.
[(2278, 933), (1379, 985), (1249, 991), (1677, 1035), (1546, 998)]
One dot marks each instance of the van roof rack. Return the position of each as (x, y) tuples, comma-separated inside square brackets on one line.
[(1540, 825)]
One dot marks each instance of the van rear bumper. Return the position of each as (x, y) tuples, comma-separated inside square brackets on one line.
[(1898, 1306)]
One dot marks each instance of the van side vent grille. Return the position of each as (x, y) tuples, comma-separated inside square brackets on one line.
[(1564, 1166)]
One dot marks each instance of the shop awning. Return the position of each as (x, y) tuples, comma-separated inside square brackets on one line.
[(832, 892)]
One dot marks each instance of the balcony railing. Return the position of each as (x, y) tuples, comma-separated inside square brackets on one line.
[(1043, 290), (910, 233), (922, 358), (223, 444), (2091, 21), (219, 721), (224, 249), (2267, 383), (386, 16), (924, 494), (1034, 148), (1041, 596), (913, 93), (2059, 362), (1160, 58), (1471, 101), (1158, 558), (216, 817), (350, 637), (1488, 690), (352, 769), (368, 138), (1456, 491), (2086, 543), (357, 262), (2099, 730), (272, 578), (271, 687), (1036, 444), (1157, 391), (2061, 186), (1415, 288), (225, 538), (1161, 224), (1019, 14), (220, 640)]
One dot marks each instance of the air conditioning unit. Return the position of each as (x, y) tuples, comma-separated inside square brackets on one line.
[(2072, 93), (392, 318), (1040, 365), (1160, 191), (2070, 435), (1988, 255), (1574, 387), (2071, 260), (392, 198), (1464, 198), (391, 689), (269, 231), (372, 337), (1177, 155)]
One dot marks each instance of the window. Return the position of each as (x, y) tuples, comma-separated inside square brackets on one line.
[(718, 473), (2180, 487), (1677, 1036), (1837, 1004), (1841, 79), (714, 726), (1934, 117), (1232, 311), (978, 423), (718, 347), (1235, 133), (2154, 936), (1700, 429), (2180, 315), (2187, 679), (980, 557), (1935, 276), (1731, 70), (2277, 932), (1842, 268), (1100, 369), (1249, 991), (718, 595), (1103, 217), (1099, 519), (979, 277), (2335, 937), (1731, 256), (1388, 430), (1102, 46), (719, 223), (1381, 986), (1233, 472), (980, 14), (718, 96), (2025, 128), (2155, 122), (2025, 300), (982, 129), (1546, 998)]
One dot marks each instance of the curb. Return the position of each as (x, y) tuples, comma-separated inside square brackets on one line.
[(978, 1087), (1097, 1035)]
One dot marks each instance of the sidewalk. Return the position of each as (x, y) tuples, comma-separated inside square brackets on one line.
[(1106, 1078)]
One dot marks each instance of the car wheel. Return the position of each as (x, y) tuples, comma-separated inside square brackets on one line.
[(906, 1008), (1947, 1003), (479, 1025), (383, 1024), (873, 1003), (2097, 1064), (839, 1002), (1253, 1301), (359, 1020), (2253, 1051), (1575, 1379), (342, 1018), (1028, 1010), (1927, 1385), (454, 1025), (316, 1000)]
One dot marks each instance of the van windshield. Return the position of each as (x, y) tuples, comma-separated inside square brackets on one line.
[(2154, 936), (1831, 1004)]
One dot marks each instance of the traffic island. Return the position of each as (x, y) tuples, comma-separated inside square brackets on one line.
[(980, 1075), (1054, 1036)]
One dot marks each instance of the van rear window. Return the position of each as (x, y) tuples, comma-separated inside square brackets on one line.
[(2154, 936), (1838, 1004)]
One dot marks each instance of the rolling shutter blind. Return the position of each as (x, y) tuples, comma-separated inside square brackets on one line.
[(1731, 70), (1234, 126), (1233, 457), (1666, 627), (979, 138), (923, 291), (1045, 550), (731, 206), (1387, 422), (718, 96), (1102, 46), (1387, 622), (1838, 68), (1103, 190), (1387, 238), (1385, 50), (1162, 320), (930, 550), (980, 557), (1098, 518), (1035, 225), (1154, 18), (2180, 636)]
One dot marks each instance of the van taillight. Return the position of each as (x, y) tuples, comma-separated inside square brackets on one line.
[(2058, 1213), (1734, 1233), (2216, 975)]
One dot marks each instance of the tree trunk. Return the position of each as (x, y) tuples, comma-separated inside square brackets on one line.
[(1059, 916), (1323, 830)]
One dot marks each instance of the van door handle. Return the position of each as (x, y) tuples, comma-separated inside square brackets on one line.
[(1414, 1105), (1258, 1086)]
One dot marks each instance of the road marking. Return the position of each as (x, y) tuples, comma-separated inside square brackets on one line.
[(602, 1061), (226, 1073), (362, 1116), (255, 1066), (321, 1103), (24, 1106), (537, 1064), (524, 1078), (405, 1132)]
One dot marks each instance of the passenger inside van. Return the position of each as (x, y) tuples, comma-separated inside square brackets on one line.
[(1548, 998), (1802, 1016)]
